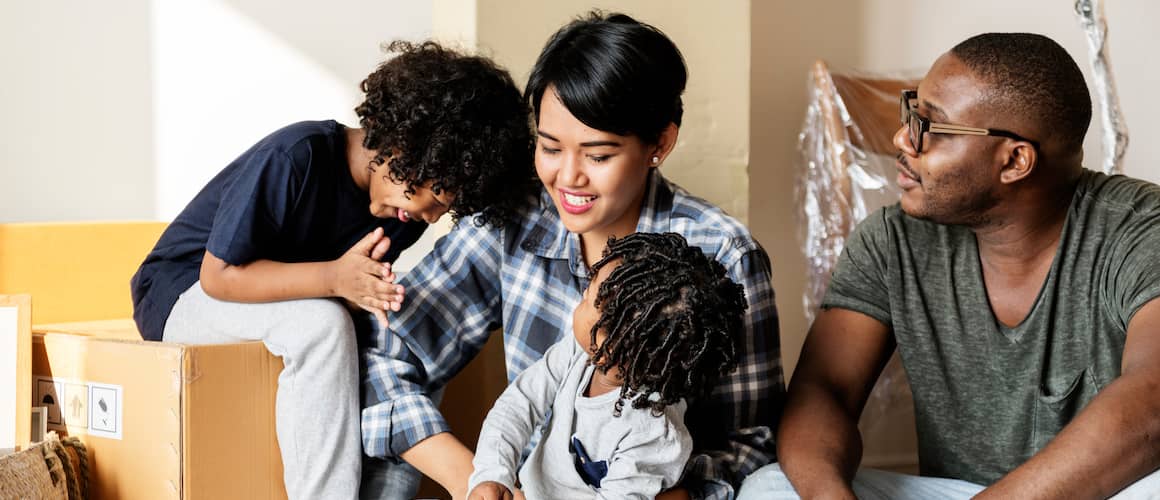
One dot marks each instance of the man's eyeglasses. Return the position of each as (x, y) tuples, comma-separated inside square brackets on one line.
[(916, 125)]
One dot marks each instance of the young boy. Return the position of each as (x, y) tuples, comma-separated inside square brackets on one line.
[(310, 214), (658, 324)]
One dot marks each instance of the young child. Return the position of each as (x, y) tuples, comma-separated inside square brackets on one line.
[(658, 324), (307, 221)]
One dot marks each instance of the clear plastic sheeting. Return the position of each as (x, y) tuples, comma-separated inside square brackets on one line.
[(1114, 132), (846, 172), (847, 164)]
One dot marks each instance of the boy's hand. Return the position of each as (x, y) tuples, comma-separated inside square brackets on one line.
[(361, 279), (490, 490)]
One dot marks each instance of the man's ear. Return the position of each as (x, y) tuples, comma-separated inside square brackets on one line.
[(664, 145), (1021, 159)]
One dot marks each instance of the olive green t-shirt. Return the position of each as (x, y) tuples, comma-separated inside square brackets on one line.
[(988, 397)]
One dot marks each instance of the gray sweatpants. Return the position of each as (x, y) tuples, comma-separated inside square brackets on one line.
[(317, 412)]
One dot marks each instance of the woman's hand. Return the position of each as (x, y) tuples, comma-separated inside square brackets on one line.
[(362, 280), (491, 490)]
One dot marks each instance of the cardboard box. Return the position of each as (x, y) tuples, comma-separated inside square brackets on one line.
[(15, 349), (162, 420)]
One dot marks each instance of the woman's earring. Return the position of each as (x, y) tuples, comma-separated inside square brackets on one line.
[(656, 160)]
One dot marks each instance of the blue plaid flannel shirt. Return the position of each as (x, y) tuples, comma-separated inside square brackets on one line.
[(528, 277)]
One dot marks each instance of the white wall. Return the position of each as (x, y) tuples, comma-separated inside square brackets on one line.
[(76, 133), (124, 113), (228, 72)]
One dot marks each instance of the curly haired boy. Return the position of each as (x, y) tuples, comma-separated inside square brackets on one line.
[(306, 222)]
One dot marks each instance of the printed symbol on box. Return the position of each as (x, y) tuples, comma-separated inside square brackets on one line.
[(75, 405), (105, 407), (104, 419), (48, 393)]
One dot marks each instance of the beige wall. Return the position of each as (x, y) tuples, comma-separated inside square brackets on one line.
[(713, 151)]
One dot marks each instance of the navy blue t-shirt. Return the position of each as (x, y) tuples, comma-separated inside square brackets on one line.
[(289, 198)]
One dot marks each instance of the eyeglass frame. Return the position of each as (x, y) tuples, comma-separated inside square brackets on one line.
[(907, 113)]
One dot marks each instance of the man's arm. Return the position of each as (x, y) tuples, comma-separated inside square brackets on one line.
[(1114, 441), (819, 445)]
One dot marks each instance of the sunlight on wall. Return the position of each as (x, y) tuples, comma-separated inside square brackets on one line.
[(219, 90)]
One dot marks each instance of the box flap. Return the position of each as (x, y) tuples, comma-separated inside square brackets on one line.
[(123, 328)]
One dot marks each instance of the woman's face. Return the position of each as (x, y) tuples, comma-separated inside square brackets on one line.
[(596, 178)]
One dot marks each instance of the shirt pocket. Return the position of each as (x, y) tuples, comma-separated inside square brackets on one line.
[(1055, 409)]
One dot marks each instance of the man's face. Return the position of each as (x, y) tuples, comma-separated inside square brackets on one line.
[(954, 179)]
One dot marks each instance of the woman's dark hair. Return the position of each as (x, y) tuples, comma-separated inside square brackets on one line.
[(457, 122), (672, 318), (613, 73)]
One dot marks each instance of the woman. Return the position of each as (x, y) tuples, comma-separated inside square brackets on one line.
[(606, 94)]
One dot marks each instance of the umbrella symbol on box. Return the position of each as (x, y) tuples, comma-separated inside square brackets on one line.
[(50, 394), (105, 406), (104, 410)]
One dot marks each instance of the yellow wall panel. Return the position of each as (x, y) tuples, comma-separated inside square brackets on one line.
[(74, 271)]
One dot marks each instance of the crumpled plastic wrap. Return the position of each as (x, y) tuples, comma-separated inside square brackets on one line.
[(847, 171), (1113, 130)]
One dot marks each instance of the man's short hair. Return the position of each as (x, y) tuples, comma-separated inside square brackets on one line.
[(1035, 77)]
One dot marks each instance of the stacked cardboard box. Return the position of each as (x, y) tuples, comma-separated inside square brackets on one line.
[(162, 420), (177, 421)]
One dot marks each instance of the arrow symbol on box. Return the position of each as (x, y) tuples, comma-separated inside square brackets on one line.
[(76, 406)]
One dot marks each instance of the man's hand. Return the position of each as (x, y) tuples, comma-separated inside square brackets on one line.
[(362, 280), (490, 490)]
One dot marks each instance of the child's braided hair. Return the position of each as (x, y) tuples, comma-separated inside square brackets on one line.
[(672, 318)]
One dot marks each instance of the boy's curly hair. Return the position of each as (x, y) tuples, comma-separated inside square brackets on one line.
[(672, 318), (457, 122)]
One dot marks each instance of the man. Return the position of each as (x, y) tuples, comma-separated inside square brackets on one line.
[(1020, 289)]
